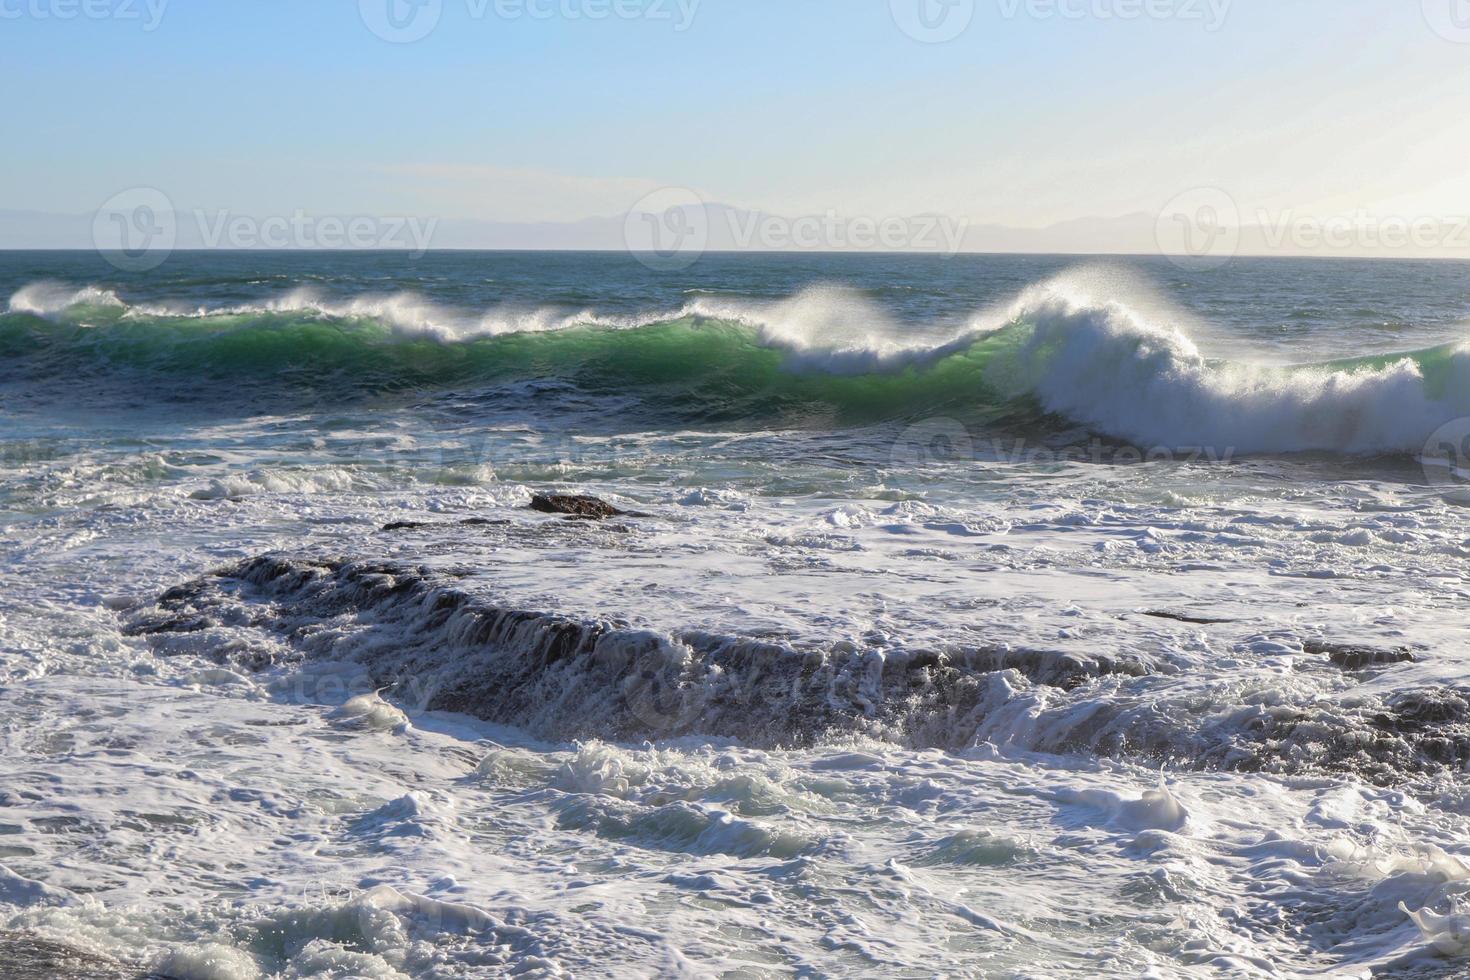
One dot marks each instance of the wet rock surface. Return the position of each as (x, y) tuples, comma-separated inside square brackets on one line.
[(578, 506), (24, 957), (430, 645), (421, 525), (433, 646), (1356, 658), (1192, 619)]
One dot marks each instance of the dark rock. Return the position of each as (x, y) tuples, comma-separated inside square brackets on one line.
[(1182, 618), (579, 506), (565, 678), (1354, 658), (420, 525), (30, 958), (1425, 710)]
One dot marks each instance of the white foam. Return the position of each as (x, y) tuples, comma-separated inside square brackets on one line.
[(371, 712), (831, 328), (1156, 809), (209, 961), (269, 480), (1102, 363), (408, 314), (1448, 933), (49, 298), (18, 890)]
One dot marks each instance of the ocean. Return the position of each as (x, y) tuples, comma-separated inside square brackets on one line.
[(985, 616)]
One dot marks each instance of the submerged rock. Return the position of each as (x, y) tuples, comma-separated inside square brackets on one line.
[(430, 645), (31, 958), (579, 505), (1185, 618), (420, 525), (440, 648), (1356, 658)]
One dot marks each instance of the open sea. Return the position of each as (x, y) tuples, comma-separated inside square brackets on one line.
[(993, 616)]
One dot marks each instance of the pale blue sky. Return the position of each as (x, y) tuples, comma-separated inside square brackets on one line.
[(792, 106)]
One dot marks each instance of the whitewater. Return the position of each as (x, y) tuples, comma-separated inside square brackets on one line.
[(990, 616)]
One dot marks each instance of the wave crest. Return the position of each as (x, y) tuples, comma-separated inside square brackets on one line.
[(1100, 364), (826, 355), (48, 298)]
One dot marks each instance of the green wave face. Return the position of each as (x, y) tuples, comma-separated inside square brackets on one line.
[(700, 367), (1437, 365), (1054, 366)]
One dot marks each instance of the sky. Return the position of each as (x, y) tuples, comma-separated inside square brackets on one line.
[(1024, 114)]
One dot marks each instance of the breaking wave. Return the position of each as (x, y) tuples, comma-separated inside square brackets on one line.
[(826, 356)]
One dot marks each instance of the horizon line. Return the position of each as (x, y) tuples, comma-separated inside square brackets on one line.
[(1184, 260)]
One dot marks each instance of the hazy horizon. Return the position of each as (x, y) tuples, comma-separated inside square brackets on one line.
[(535, 124)]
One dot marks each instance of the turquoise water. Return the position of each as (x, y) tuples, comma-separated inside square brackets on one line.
[(737, 341)]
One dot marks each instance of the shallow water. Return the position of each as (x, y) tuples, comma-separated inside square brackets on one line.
[(992, 616)]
